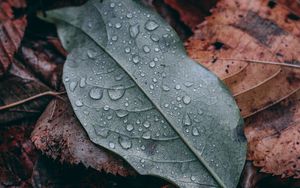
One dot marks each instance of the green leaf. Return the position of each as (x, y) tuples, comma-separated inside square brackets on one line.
[(136, 92)]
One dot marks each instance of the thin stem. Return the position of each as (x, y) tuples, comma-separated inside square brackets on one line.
[(48, 93)]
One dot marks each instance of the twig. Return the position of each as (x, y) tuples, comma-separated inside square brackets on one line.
[(48, 93)]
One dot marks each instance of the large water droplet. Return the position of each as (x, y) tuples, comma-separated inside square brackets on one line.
[(186, 100), (147, 135), (134, 30), (73, 86), (195, 131), (78, 103), (129, 127), (121, 113), (187, 120), (147, 124), (151, 25), (125, 142), (116, 94), (96, 93)]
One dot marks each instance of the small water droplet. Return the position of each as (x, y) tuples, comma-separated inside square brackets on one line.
[(127, 50), (165, 88), (82, 82), (188, 84), (154, 37), (112, 5), (116, 94), (73, 86), (114, 38), (178, 87), (129, 15), (152, 64), (147, 135), (90, 25), (121, 113), (147, 124), (111, 145), (78, 103), (91, 54), (129, 127), (136, 59), (195, 131), (151, 25), (186, 100), (146, 49), (125, 142), (96, 93), (187, 120), (193, 178), (154, 80), (134, 30), (106, 108), (118, 25)]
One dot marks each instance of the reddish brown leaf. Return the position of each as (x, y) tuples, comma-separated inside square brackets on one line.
[(250, 30), (20, 84), (59, 134)]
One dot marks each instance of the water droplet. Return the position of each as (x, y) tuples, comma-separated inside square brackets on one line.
[(78, 103), (147, 124), (146, 49), (112, 5), (114, 38), (118, 25), (195, 131), (82, 82), (188, 84), (152, 64), (154, 37), (90, 25), (134, 30), (151, 25), (136, 59), (187, 120), (147, 135), (116, 94), (154, 80), (125, 142), (106, 108), (186, 100), (121, 113), (193, 178), (165, 88), (73, 86), (96, 93), (127, 50), (111, 145), (91, 54), (178, 87), (129, 15), (129, 127)]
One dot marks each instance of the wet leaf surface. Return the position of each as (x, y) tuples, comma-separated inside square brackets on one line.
[(145, 99)]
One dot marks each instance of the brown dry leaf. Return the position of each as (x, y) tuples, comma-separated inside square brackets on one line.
[(59, 134), (20, 84), (242, 29), (192, 12), (274, 138), (11, 32)]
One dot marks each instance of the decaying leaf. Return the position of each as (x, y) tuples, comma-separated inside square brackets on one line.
[(274, 139), (20, 84), (250, 30), (137, 93), (59, 134), (192, 12)]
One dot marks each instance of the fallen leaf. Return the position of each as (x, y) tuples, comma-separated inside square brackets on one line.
[(253, 30), (145, 99), (45, 61), (20, 84), (59, 134), (192, 12)]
